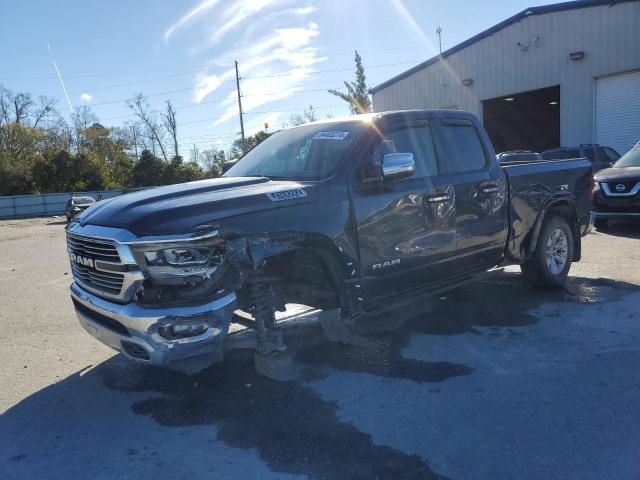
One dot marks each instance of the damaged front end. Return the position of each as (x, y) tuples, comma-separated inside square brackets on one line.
[(169, 301), (162, 301)]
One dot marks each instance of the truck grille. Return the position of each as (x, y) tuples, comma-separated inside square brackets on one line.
[(100, 280), (93, 248)]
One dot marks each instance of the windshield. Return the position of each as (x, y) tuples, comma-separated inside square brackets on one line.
[(630, 159), (82, 200), (311, 152)]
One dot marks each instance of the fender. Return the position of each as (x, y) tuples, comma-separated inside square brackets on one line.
[(249, 253)]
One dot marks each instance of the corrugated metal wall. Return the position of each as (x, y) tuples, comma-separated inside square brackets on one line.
[(609, 36)]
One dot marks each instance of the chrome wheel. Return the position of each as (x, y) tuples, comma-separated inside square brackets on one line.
[(556, 251)]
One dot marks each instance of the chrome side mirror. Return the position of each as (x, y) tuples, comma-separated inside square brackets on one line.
[(398, 165)]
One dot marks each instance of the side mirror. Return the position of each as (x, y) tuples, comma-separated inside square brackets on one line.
[(398, 165)]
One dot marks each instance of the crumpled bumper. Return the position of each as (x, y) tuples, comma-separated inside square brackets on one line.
[(133, 329)]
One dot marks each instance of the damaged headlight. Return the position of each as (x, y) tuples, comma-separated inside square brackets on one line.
[(180, 262)]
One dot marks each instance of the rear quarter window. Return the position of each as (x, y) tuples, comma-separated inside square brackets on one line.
[(461, 147)]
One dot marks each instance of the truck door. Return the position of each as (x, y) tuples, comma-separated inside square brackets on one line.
[(480, 193), (406, 226)]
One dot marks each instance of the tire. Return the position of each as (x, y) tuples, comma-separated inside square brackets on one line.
[(550, 263)]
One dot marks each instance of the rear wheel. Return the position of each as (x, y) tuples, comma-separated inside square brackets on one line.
[(550, 263)]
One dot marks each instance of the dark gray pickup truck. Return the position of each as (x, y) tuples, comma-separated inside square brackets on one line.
[(347, 216)]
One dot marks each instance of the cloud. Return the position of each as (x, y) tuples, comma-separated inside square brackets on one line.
[(238, 12), (274, 42), (304, 10), (205, 84), (190, 15), (85, 97)]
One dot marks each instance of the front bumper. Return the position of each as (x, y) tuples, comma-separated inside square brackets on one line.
[(616, 206), (133, 329)]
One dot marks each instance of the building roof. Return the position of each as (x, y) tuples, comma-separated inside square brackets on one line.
[(556, 7)]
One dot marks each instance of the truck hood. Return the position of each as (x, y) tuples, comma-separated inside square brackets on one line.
[(178, 209), (617, 174)]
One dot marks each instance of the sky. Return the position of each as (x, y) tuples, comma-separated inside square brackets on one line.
[(290, 52)]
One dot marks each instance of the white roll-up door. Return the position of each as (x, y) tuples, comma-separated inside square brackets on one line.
[(617, 114)]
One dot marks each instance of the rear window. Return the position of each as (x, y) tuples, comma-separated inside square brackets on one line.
[(83, 200), (462, 148)]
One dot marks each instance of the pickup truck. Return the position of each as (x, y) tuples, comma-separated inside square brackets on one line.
[(350, 216)]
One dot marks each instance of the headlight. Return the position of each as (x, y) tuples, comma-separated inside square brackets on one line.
[(180, 262)]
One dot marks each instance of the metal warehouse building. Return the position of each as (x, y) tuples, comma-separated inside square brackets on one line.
[(557, 75)]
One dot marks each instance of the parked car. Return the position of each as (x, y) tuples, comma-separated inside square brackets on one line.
[(513, 156), (617, 189), (600, 157), (77, 204), (349, 216)]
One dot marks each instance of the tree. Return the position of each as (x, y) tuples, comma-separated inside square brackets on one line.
[(357, 95), (141, 109), (308, 115), (170, 123), (240, 148), (82, 119), (213, 162), (148, 170)]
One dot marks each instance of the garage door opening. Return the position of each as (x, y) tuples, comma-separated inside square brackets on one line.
[(524, 121)]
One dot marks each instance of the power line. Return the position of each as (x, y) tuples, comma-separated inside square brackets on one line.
[(283, 73), (345, 69), (191, 68)]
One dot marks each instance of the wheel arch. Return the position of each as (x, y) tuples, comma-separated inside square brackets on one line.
[(565, 208)]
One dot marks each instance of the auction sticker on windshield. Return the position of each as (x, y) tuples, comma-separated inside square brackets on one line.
[(330, 135), (287, 195)]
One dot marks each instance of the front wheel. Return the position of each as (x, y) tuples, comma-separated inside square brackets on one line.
[(550, 263)]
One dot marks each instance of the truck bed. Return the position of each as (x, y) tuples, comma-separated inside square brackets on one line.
[(532, 184)]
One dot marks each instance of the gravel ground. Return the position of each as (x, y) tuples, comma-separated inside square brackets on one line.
[(493, 380)]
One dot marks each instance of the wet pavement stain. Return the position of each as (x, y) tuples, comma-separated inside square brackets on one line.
[(292, 428)]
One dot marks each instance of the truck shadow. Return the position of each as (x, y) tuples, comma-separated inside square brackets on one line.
[(628, 229), (288, 424)]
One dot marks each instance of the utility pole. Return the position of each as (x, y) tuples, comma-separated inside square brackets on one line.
[(439, 33), (195, 153), (239, 104), (135, 140)]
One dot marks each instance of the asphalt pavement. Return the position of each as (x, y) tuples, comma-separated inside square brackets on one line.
[(492, 380)]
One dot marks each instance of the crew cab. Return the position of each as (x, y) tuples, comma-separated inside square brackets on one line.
[(350, 216), (617, 189)]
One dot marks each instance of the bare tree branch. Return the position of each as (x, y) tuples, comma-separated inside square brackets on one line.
[(170, 123), (141, 109)]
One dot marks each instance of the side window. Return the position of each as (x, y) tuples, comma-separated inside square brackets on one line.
[(462, 148), (416, 140), (611, 154)]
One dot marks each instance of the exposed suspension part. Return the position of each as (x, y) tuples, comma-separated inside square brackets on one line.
[(260, 298)]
